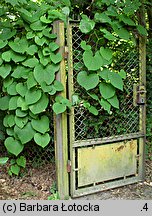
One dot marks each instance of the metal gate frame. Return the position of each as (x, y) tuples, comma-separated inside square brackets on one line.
[(65, 145)]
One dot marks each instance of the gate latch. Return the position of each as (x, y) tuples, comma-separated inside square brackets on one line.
[(139, 95)]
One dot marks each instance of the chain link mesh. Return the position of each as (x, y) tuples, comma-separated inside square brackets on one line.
[(120, 122)]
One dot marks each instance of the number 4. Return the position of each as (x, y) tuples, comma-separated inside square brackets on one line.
[(145, 207)]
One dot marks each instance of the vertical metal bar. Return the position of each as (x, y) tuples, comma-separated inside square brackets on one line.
[(61, 146), (142, 117), (71, 117)]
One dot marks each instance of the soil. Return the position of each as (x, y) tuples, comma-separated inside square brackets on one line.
[(35, 184)]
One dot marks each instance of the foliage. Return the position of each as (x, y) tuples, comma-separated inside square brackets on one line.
[(108, 23), (29, 61), (54, 193)]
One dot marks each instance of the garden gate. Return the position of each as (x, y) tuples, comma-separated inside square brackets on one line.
[(98, 153)]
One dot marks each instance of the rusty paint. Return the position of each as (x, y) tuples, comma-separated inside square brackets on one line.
[(120, 148)]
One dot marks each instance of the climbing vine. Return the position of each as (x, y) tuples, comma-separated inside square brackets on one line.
[(29, 61)]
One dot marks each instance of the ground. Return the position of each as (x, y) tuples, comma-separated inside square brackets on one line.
[(35, 184)]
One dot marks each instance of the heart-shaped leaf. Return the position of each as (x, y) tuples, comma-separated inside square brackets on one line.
[(106, 53), (55, 58), (40, 105), (59, 108), (21, 161), (42, 140), (21, 122), (20, 113), (9, 120), (22, 103), (4, 102), (92, 62), (25, 134), (116, 80), (15, 169), (114, 101), (106, 106), (21, 89), (42, 74), (21, 72), (32, 49), (5, 70), (106, 90), (31, 82), (86, 24), (32, 96), (13, 103), (11, 89), (3, 43), (3, 160), (32, 62), (13, 146), (88, 81), (19, 45), (41, 125)]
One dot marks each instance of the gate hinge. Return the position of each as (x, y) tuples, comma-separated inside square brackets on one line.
[(69, 166), (66, 52)]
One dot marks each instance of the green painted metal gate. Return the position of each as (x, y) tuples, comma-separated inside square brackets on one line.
[(98, 153)]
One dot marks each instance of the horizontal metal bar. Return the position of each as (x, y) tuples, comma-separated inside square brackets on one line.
[(99, 141), (103, 187)]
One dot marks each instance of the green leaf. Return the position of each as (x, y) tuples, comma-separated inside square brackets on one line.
[(88, 81), (116, 80), (102, 17), (39, 41), (86, 24), (104, 74), (58, 86), (22, 103), (92, 62), (42, 140), (106, 90), (21, 72), (7, 56), (106, 106), (21, 122), (41, 125), (66, 11), (42, 74), (94, 96), (21, 89), (19, 45), (123, 33), (13, 103), (37, 26), (32, 96), (17, 57), (15, 169), (43, 19), (3, 43), (31, 63), (5, 70), (9, 120), (30, 35), (114, 101), (31, 82), (53, 46), (126, 20), (31, 50), (108, 35), (93, 110), (4, 102), (122, 73), (84, 46), (40, 105), (7, 33), (8, 81), (20, 113), (13, 146), (106, 53), (58, 108), (3, 160), (21, 161), (142, 30), (25, 134), (11, 89), (55, 58)]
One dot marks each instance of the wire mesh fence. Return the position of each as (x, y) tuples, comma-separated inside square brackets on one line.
[(122, 121)]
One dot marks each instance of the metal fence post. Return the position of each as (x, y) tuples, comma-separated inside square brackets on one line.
[(60, 122)]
